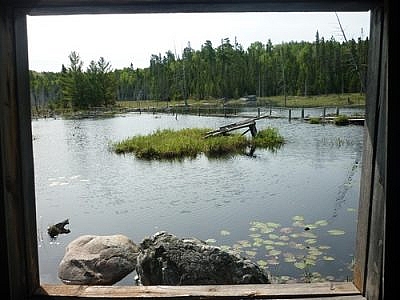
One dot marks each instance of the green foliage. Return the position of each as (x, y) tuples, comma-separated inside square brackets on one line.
[(93, 88), (268, 138), (341, 120), (299, 244), (190, 142), (315, 120), (227, 71)]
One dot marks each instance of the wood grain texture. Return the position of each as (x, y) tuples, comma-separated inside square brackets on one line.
[(170, 6), (282, 291)]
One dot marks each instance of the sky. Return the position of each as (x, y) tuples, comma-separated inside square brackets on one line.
[(133, 38)]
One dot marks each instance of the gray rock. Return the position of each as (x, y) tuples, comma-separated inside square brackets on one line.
[(165, 259), (98, 260)]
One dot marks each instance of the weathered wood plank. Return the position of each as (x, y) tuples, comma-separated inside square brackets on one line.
[(29, 236), (148, 6), (13, 190), (18, 196), (369, 152), (231, 127), (374, 281), (297, 290)]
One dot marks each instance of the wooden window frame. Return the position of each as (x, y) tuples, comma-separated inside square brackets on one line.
[(19, 254)]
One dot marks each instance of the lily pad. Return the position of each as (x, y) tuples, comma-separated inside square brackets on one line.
[(224, 232), (323, 247), (250, 253), (255, 235), (310, 226), (269, 242), (336, 232), (300, 265), (298, 218), (308, 235), (273, 225), (328, 258), (273, 236), (310, 241), (321, 223), (315, 252), (210, 241), (262, 263), (284, 238), (225, 247), (274, 252), (280, 243)]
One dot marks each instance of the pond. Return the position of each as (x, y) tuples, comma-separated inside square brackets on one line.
[(293, 211)]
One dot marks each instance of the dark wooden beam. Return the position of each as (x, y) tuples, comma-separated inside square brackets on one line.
[(44, 7), (18, 211), (370, 225)]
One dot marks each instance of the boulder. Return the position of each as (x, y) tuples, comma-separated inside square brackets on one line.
[(165, 259), (98, 260)]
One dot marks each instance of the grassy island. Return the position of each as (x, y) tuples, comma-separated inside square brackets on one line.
[(190, 142)]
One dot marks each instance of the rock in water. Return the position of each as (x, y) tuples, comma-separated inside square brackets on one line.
[(59, 228), (98, 260), (165, 259)]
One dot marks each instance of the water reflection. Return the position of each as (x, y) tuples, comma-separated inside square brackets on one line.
[(315, 175)]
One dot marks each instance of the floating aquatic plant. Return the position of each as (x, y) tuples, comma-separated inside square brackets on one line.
[(225, 232), (274, 241), (336, 232), (210, 241), (327, 257)]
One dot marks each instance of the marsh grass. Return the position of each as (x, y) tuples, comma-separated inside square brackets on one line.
[(341, 120), (268, 138), (190, 142)]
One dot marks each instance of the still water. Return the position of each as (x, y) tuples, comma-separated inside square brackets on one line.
[(293, 211)]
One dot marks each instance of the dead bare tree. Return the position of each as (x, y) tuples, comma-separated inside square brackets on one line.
[(353, 60)]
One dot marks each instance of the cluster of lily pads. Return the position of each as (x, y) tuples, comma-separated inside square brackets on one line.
[(274, 243)]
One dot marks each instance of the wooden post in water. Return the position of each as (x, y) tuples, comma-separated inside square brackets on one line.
[(302, 113), (270, 110), (337, 111), (290, 115), (253, 129), (258, 112)]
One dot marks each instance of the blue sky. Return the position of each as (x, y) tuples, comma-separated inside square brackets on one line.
[(126, 39)]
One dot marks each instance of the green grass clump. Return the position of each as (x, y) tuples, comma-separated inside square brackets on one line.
[(164, 144), (341, 120), (190, 142), (315, 120), (268, 138)]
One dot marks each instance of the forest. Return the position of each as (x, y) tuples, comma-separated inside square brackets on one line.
[(213, 72)]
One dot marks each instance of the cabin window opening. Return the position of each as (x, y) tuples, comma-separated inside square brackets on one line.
[(237, 213)]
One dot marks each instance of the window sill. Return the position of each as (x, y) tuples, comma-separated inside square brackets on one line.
[(328, 290)]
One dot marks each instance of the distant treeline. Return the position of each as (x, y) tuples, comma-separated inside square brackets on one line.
[(226, 71)]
